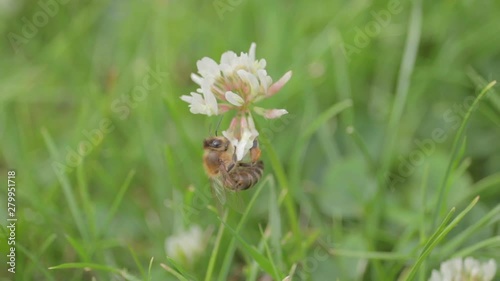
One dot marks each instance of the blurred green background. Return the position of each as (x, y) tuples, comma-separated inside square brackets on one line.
[(352, 192)]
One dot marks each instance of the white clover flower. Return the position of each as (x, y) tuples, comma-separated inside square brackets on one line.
[(185, 247), (198, 104), (469, 269), (236, 83), (241, 133)]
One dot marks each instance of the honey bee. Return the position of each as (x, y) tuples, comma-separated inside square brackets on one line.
[(225, 171)]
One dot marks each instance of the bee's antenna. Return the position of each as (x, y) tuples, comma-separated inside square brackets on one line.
[(218, 124)]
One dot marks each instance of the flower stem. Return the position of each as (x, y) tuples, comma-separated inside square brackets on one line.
[(283, 183)]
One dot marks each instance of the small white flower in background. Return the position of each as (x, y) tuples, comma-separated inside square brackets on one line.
[(236, 83), (468, 269), (187, 246)]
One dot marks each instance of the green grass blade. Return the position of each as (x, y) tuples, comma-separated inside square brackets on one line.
[(178, 268), (99, 267), (291, 273), (136, 260), (283, 183), (119, 197), (275, 224), (489, 243), (340, 63), (66, 186), (173, 166), (488, 219), (323, 117), (213, 257), (462, 166), (369, 255), (422, 230), (404, 79), (439, 230), (443, 190), (85, 198), (265, 237), (254, 267), (406, 68), (358, 140), (129, 277), (45, 245), (149, 268), (263, 262), (228, 258), (480, 82), (35, 261), (481, 186), (491, 114), (439, 235), (79, 248), (307, 132), (297, 156), (173, 272)]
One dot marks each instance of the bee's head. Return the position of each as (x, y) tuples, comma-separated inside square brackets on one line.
[(216, 143)]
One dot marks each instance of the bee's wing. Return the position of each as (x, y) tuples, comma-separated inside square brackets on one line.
[(218, 190), (235, 201), (226, 197)]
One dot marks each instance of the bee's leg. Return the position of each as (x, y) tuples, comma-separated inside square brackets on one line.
[(227, 166), (228, 181), (232, 164), (255, 151), (230, 167)]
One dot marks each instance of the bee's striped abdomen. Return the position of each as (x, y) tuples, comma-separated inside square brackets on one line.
[(246, 175)]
